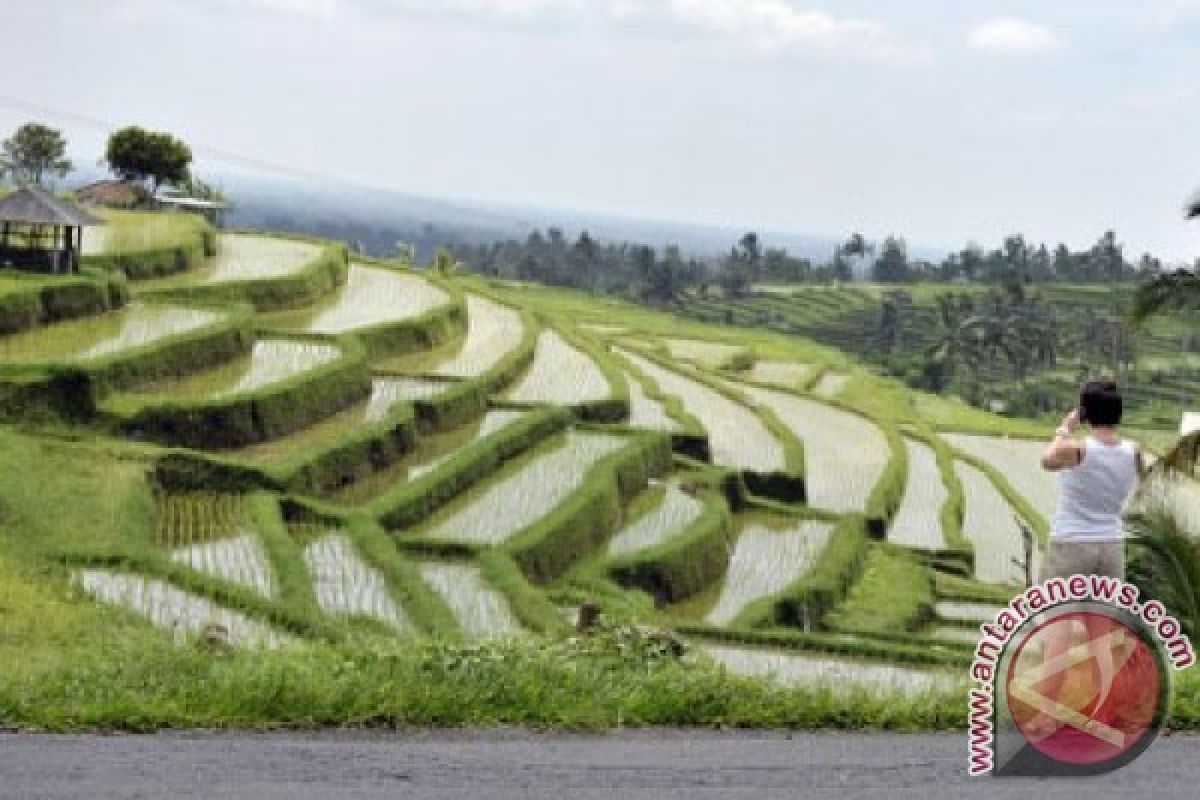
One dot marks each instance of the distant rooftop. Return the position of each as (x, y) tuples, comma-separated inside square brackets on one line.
[(33, 205)]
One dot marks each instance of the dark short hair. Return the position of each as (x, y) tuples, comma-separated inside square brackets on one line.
[(1100, 402)]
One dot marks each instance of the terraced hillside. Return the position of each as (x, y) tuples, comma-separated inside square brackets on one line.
[(1160, 371), (260, 443)]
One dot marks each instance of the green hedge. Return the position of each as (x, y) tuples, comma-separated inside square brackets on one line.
[(413, 501), (320, 276), (38, 300), (246, 418), (314, 471), (76, 391), (685, 564), (805, 602), (173, 356), (291, 574), (575, 529), (529, 606), (894, 593), (154, 262)]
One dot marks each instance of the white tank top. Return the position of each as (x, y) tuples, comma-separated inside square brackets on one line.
[(1093, 494)]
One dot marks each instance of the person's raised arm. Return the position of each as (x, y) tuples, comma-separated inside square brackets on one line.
[(1063, 452)]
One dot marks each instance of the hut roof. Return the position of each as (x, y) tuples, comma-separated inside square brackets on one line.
[(111, 193), (35, 206)]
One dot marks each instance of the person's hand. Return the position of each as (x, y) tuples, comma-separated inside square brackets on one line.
[(1071, 420)]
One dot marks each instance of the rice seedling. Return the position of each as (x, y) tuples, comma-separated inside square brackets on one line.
[(271, 361), (238, 559), (560, 375), (345, 584), (767, 558), (831, 384), (207, 532), (85, 338), (520, 496), (989, 524), (712, 355), (480, 610), (173, 609), (671, 511), (645, 411), (187, 518), (845, 454), (738, 438), (1019, 461), (788, 374), (839, 676), (493, 331), (963, 611), (373, 295), (918, 520)]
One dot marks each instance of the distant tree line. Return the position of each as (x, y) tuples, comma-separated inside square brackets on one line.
[(658, 275)]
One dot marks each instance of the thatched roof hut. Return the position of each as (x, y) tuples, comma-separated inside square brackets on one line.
[(40, 231)]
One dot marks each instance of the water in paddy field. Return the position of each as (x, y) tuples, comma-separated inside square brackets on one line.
[(238, 559), (480, 610), (176, 610), (768, 557), (918, 521), (270, 361), (841, 676), (493, 331), (738, 438), (672, 512), (372, 296), (103, 334), (346, 584), (645, 411), (560, 375), (520, 496), (845, 454)]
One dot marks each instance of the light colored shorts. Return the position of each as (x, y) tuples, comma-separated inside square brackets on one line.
[(1064, 559)]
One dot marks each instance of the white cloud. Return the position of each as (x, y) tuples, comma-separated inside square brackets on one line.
[(763, 25), (1011, 35)]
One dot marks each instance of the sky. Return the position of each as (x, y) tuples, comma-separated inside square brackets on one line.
[(940, 120)]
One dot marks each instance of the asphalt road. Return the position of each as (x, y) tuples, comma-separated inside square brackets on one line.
[(521, 764)]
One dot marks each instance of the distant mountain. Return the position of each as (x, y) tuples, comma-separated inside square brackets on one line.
[(376, 219)]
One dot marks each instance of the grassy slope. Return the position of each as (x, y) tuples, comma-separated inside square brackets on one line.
[(67, 664)]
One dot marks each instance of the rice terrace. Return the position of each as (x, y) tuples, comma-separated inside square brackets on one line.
[(252, 480), (513, 398)]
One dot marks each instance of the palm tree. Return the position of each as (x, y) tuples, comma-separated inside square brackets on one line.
[(1175, 291)]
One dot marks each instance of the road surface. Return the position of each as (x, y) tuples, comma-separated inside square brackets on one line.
[(696, 765)]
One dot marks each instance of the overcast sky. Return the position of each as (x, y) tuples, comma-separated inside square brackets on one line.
[(941, 120)]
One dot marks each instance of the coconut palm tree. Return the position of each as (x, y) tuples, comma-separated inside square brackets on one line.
[(1174, 291)]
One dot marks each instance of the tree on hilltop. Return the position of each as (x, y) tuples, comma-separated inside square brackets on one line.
[(137, 154), (32, 153)]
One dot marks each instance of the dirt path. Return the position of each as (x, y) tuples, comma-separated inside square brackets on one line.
[(519, 764)]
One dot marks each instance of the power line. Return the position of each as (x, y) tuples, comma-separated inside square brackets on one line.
[(211, 151)]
